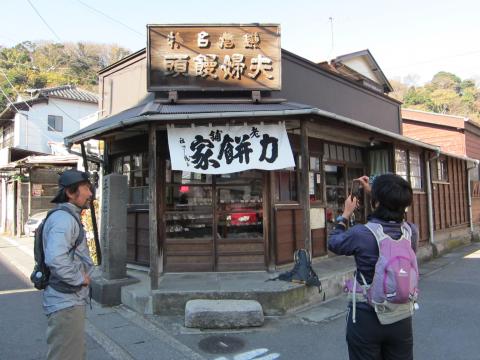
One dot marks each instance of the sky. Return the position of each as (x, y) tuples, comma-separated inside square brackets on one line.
[(410, 40)]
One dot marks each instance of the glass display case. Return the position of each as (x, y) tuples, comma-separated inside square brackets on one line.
[(239, 209), (190, 199), (188, 205)]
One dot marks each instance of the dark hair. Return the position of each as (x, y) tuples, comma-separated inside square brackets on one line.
[(393, 195), (62, 197)]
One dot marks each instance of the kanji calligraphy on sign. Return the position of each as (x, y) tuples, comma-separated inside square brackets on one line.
[(227, 149), (213, 57)]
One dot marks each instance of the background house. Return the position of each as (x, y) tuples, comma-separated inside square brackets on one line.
[(31, 131), (455, 135)]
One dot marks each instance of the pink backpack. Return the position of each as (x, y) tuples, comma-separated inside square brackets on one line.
[(394, 288)]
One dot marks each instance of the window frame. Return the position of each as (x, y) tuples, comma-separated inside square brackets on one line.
[(408, 176), (57, 123), (120, 160), (440, 173)]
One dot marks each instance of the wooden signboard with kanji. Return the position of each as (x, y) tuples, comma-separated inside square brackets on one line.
[(213, 57)]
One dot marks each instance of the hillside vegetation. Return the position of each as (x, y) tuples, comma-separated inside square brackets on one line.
[(446, 93), (30, 65)]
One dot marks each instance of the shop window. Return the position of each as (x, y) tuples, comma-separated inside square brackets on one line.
[(185, 177), (239, 205), (379, 161), (315, 188), (187, 191), (440, 170), (135, 168), (188, 204), (286, 184), (338, 183), (335, 190), (342, 153)]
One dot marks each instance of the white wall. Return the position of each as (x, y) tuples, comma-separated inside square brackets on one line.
[(31, 131), (4, 156), (3, 218), (360, 65)]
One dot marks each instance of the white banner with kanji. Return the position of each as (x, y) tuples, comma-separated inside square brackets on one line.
[(229, 149)]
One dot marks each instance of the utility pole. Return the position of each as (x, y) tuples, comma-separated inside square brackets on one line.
[(331, 33)]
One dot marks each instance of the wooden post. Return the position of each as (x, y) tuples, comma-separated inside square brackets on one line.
[(270, 227), (96, 238), (153, 206), (304, 185)]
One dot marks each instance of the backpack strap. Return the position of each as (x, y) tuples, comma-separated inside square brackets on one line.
[(81, 231), (377, 231), (365, 287), (406, 230)]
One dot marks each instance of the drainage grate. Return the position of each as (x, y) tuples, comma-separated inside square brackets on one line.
[(221, 344)]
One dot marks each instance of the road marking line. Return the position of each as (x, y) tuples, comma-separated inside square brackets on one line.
[(27, 250), (474, 255), (153, 329), (111, 347), (16, 291), (250, 354)]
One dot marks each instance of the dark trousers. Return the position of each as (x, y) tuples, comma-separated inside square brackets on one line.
[(367, 339)]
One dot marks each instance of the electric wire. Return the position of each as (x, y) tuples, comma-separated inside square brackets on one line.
[(28, 105), (111, 18), (31, 117), (44, 21)]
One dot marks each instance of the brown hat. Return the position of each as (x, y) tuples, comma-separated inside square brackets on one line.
[(66, 179)]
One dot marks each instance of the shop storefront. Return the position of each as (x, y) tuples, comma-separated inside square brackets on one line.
[(239, 201)]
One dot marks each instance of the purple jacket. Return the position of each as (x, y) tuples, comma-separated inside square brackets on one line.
[(359, 242)]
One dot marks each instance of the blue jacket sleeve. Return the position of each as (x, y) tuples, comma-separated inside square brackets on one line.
[(342, 242)]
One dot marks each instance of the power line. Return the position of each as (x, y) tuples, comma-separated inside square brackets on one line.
[(8, 99), (32, 66), (26, 103), (44, 21), (13, 87), (111, 18), (435, 59), (18, 111), (18, 94)]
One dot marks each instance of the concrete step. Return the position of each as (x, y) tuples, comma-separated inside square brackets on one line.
[(223, 314), (276, 297)]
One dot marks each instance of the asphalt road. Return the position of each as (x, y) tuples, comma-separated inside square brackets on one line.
[(22, 322), (446, 327)]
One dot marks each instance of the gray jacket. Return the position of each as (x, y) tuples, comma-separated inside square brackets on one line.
[(59, 234)]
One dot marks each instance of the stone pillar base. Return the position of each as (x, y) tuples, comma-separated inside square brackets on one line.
[(108, 292)]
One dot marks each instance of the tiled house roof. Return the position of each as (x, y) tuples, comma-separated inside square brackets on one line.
[(69, 92)]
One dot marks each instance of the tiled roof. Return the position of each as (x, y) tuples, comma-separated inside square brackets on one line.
[(69, 92), (434, 118), (155, 111)]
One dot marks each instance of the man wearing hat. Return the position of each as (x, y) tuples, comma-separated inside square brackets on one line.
[(68, 258)]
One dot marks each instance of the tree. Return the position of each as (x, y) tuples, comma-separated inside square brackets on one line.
[(445, 80), (46, 64), (445, 93)]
